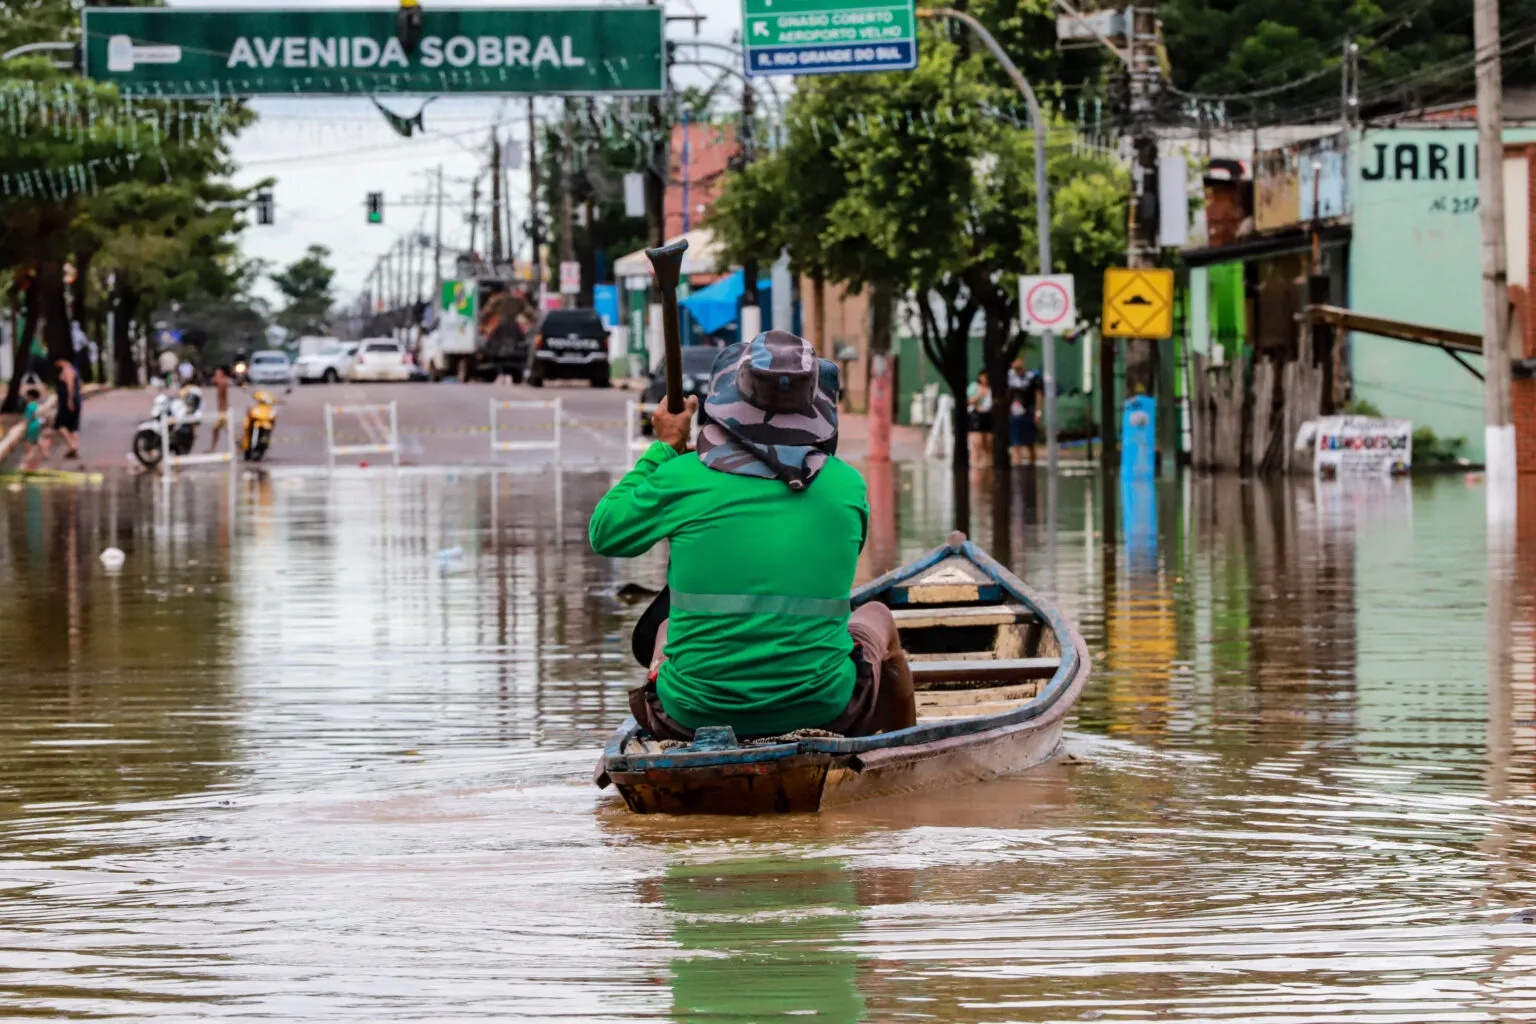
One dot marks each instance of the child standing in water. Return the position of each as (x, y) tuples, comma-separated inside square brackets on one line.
[(37, 444)]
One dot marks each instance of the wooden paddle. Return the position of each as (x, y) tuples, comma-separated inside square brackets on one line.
[(667, 262)]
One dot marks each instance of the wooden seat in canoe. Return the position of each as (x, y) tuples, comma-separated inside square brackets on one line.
[(980, 670)]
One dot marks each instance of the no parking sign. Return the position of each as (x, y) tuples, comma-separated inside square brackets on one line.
[(1047, 302)]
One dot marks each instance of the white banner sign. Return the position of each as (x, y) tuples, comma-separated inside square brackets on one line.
[(634, 194), (1047, 303), (570, 278), (1363, 446)]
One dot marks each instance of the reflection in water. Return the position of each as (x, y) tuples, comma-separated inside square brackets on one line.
[(762, 938), (321, 751)]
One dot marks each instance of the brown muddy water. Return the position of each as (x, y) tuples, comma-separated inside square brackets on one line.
[(293, 762)]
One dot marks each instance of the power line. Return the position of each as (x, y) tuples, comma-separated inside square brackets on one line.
[(1404, 18)]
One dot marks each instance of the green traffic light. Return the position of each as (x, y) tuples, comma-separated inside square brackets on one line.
[(375, 217)]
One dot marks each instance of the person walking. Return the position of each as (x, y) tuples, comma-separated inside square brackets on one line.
[(221, 379), (66, 416)]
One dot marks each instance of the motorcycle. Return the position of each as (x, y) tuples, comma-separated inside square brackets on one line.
[(260, 421), (180, 414)]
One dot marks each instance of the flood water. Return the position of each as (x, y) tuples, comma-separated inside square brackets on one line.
[(321, 751)]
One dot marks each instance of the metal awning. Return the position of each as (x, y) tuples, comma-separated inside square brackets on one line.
[(1253, 247), (702, 257), (1452, 343)]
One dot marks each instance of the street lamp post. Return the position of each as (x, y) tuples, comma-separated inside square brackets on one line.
[(22, 51), (1042, 204)]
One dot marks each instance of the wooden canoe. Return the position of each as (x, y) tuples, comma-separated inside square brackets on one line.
[(996, 666)]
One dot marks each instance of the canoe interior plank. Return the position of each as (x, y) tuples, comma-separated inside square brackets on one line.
[(942, 593), (964, 670), (936, 714), (925, 617), (1015, 692)]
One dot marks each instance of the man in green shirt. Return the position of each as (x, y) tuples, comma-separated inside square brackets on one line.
[(765, 525)]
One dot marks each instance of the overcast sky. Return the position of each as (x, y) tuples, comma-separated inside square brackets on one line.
[(326, 155)]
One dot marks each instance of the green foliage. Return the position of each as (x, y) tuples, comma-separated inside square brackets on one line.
[(918, 179), (1361, 407), (1411, 51), (306, 285), (589, 151), (1429, 449), (134, 194)]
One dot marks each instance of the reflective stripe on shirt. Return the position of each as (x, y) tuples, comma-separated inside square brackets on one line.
[(761, 604)]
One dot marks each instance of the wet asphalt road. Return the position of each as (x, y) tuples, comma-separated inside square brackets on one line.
[(445, 424)]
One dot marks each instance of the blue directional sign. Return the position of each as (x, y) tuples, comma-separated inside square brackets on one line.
[(813, 37)]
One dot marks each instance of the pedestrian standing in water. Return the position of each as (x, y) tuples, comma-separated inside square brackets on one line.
[(66, 416), (1022, 385), (221, 378), (978, 399)]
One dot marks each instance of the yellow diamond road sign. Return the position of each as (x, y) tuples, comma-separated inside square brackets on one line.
[(1138, 302)]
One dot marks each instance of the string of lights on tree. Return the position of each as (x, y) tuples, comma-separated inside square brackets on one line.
[(92, 115)]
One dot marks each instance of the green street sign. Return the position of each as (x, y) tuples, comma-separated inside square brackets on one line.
[(808, 37), (202, 52)]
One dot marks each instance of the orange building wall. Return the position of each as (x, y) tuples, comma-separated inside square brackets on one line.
[(710, 149)]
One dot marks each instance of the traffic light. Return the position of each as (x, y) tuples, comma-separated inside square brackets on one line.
[(408, 25), (375, 207), (264, 208)]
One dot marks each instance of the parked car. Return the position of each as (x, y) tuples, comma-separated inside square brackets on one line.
[(331, 363), (379, 359), (698, 361), (570, 343), (270, 367)]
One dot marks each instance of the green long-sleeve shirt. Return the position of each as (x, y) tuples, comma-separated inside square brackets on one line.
[(758, 634)]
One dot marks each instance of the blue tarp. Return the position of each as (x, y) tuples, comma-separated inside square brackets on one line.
[(717, 305)]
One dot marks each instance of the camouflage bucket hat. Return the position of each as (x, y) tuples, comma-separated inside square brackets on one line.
[(771, 410)]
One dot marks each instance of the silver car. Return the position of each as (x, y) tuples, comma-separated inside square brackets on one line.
[(331, 364), (270, 367)]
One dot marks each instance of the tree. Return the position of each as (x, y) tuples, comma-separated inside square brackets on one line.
[(306, 284), (923, 181), (124, 192), (1411, 52)]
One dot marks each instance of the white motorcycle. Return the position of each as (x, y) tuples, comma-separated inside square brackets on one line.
[(180, 416)]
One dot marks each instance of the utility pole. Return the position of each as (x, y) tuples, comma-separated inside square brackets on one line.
[(751, 313), (421, 270), (437, 243), (1498, 429), (496, 251), (474, 218), (656, 169), (535, 227), (506, 193), (399, 277), (567, 210), (1141, 355)]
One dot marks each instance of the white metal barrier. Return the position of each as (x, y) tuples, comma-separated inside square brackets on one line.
[(634, 413), (498, 445), (170, 461), (941, 436), (391, 446)]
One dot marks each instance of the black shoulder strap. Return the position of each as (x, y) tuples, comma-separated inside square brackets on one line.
[(643, 641)]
